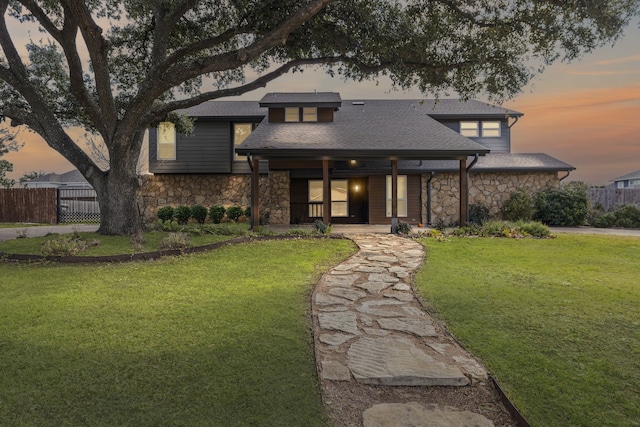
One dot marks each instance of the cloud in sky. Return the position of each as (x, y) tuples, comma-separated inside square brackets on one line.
[(622, 60)]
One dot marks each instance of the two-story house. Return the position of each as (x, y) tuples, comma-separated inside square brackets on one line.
[(298, 157)]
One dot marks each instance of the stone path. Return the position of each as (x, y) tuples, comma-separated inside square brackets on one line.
[(372, 330)]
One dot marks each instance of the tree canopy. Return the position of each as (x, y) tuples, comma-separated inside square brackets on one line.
[(116, 68)]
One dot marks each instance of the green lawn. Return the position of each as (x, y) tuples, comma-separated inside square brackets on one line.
[(215, 339), (557, 322)]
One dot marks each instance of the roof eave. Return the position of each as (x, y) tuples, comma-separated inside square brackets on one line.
[(334, 154)]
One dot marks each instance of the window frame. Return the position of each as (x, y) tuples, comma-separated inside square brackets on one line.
[(316, 207), (403, 196), (170, 133), (288, 114), (312, 111), (498, 129), (464, 131), (238, 157)]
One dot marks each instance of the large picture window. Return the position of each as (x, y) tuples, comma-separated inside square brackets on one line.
[(310, 114), (402, 196), (240, 132), (166, 141), (339, 198)]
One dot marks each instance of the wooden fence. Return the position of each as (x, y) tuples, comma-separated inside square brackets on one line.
[(28, 205), (613, 198)]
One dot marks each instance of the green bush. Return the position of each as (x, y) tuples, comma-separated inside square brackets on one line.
[(519, 206), (628, 215), (322, 228), (65, 245), (175, 241), (165, 213), (182, 214), (216, 213), (534, 228), (199, 213), (566, 206), (234, 212), (247, 212), (478, 213), (606, 220), (404, 228), (508, 229)]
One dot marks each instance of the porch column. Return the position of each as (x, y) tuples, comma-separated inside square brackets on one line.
[(255, 193), (463, 192), (326, 193), (394, 196)]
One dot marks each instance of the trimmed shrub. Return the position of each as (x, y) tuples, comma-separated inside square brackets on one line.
[(519, 206), (404, 228), (605, 220), (566, 206), (247, 212), (216, 213), (628, 216), (199, 213), (322, 228), (534, 228), (182, 214), (165, 213), (234, 212), (478, 213)]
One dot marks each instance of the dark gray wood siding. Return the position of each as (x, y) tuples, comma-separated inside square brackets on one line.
[(496, 145), (208, 150)]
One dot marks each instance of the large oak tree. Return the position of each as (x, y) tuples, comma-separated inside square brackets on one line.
[(116, 68)]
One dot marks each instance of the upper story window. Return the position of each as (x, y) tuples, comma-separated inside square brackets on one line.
[(166, 141), (490, 129), (291, 114), (310, 114), (240, 132), (469, 129)]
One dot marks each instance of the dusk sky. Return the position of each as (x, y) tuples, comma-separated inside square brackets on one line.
[(586, 113)]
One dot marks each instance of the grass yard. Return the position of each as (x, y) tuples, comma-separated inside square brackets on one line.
[(557, 322), (215, 339)]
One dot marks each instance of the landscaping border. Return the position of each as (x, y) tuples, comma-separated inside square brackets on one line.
[(149, 256)]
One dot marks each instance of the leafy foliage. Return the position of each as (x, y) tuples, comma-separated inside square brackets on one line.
[(404, 228), (66, 245), (157, 58), (566, 206), (519, 229), (519, 206), (182, 214), (175, 241), (627, 216), (165, 213), (478, 213), (216, 213), (234, 212), (199, 213)]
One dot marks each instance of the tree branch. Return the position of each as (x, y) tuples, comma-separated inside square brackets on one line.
[(43, 19), (99, 54)]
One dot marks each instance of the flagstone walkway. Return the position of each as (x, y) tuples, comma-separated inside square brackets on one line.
[(373, 334)]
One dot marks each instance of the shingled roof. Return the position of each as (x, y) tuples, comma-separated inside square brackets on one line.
[(400, 129)]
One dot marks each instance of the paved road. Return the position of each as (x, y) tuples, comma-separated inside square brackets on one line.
[(43, 230)]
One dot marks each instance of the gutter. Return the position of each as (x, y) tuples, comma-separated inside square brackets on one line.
[(475, 160), (566, 176)]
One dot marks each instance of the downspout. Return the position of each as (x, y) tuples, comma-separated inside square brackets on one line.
[(475, 160), (429, 197), (566, 176)]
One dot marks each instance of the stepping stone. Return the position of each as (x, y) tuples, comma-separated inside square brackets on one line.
[(335, 371), (324, 299), (382, 277), (383, 308), (344, 321), (344, 281), (335, 339), (400, 296), (419, 327), (416, 415), (374, 287), (402, 287), (414, 253), (383, 258), (350, 294), (370, 269), (398, 362)]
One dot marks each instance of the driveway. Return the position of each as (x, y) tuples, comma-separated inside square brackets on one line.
[(43, 230)]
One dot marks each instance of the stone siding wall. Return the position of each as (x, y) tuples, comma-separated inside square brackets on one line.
[(208, 190), (489, 189)]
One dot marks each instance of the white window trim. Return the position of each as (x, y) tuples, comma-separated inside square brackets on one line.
[(499, 129), (310, 110), (465, 131), (290, 110)]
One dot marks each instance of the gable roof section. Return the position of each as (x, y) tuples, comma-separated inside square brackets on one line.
[(454, 108), (395, 129), (632, 175)]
